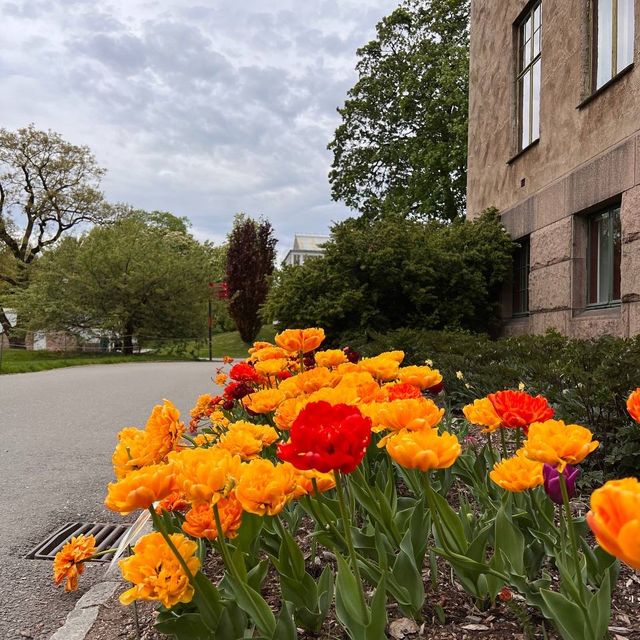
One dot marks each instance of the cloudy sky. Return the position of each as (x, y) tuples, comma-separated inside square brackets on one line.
[(200, 108)]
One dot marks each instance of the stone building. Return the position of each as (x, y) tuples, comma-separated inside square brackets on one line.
[(554, 144)]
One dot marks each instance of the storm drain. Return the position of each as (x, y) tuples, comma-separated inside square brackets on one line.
[(107, 537)]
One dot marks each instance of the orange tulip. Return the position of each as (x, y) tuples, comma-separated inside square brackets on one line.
[(69, 561), (413, 414), (264, 401), (241, 442), (425, 449), (200, 521), (615, 519), (330, 358), (633, 405), (265, 488), (381, 368), (518, 473), (300, 340), (155, 571), (558, 444), (482, 413), (205, 475), (421, 377), (141, 488), (133, 451), (164, 428)]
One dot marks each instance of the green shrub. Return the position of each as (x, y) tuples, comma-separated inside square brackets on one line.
[(586, 381), (394, 272)]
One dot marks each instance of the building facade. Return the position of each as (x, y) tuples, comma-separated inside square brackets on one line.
[(305, 246), (554, 144)]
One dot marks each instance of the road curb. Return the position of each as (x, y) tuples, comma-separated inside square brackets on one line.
[(84, 614)]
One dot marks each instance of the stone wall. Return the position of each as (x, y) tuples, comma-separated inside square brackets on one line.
[(588, 156)]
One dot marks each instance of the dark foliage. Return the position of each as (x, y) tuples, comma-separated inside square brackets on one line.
[(250, 262), (395, 272)]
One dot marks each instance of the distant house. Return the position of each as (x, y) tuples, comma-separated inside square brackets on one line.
[(305, 246)]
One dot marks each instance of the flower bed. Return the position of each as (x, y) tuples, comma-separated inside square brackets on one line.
[(362, 450)]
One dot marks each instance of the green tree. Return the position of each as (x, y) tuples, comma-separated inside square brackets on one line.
[(143, 277), (250, 262), (402, 143), (47, 187), (393, 272)]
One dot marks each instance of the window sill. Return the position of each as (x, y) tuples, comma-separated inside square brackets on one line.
[(611, 310), (523, 151), (520, 316), (605, 86)]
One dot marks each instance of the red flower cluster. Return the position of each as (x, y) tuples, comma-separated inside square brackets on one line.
[(519, 409), (244, 372), (327, 438), (237, 390)]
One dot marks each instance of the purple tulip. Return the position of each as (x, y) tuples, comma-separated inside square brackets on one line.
[(552, 481)]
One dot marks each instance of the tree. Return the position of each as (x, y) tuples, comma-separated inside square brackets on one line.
[(47, 187), (393, 273), (402, 143), (250, 261), (143, 277)]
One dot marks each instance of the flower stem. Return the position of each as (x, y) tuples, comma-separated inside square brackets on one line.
[(224, 550), (503, 441), (346, 525), (428, 491), (572, 538)]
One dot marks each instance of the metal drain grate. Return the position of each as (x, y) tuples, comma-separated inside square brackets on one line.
[(106, 535)]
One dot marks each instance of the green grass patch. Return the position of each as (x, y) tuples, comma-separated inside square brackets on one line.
[(230, 344), (224, 344)]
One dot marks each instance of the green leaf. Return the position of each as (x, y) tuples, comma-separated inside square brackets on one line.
[(510, 541), (375, 629), (348, 607), (254, 605), (566, 616), (188, 626), (453, 529), (600, 609), (207, 599), (286, 626), (325, 591)]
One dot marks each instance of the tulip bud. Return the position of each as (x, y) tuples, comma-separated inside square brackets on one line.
[(552, 481)]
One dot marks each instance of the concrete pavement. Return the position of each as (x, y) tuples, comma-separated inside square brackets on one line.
[(57, 433)]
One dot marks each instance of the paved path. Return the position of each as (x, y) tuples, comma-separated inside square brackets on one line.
[(57, 434)]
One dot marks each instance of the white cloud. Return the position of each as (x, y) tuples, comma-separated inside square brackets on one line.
[(203, 109)]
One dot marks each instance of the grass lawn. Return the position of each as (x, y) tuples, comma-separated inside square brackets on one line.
[(229, 344), (224, 344)]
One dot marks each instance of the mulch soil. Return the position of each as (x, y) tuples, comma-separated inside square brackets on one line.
[(462, 620)]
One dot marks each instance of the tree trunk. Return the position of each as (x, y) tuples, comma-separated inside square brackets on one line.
[(15, 335), (127, 339)]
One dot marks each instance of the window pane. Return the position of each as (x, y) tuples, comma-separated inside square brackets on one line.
[(537, 14), (525, 97), (605, 34), (536, 42), (625, 33), (617, 253), (535, 103), (605, 260)]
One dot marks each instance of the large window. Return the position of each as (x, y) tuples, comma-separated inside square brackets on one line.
[(603, 258), (612, 38), (520, 304), (529, 52)]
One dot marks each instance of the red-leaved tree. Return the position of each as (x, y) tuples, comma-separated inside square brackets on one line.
[(250, 262)]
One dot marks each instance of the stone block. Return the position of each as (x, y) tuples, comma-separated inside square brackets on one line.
[(550, 287), (630, 272), (602, 178), (551, 244), (519, 220), (556, 320), (633, 315), (630, 215), (550, 204), (592, 324)]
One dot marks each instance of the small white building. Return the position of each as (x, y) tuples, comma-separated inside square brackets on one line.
[(305, 246)]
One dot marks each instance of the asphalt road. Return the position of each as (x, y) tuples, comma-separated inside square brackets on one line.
[(57, 433)]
